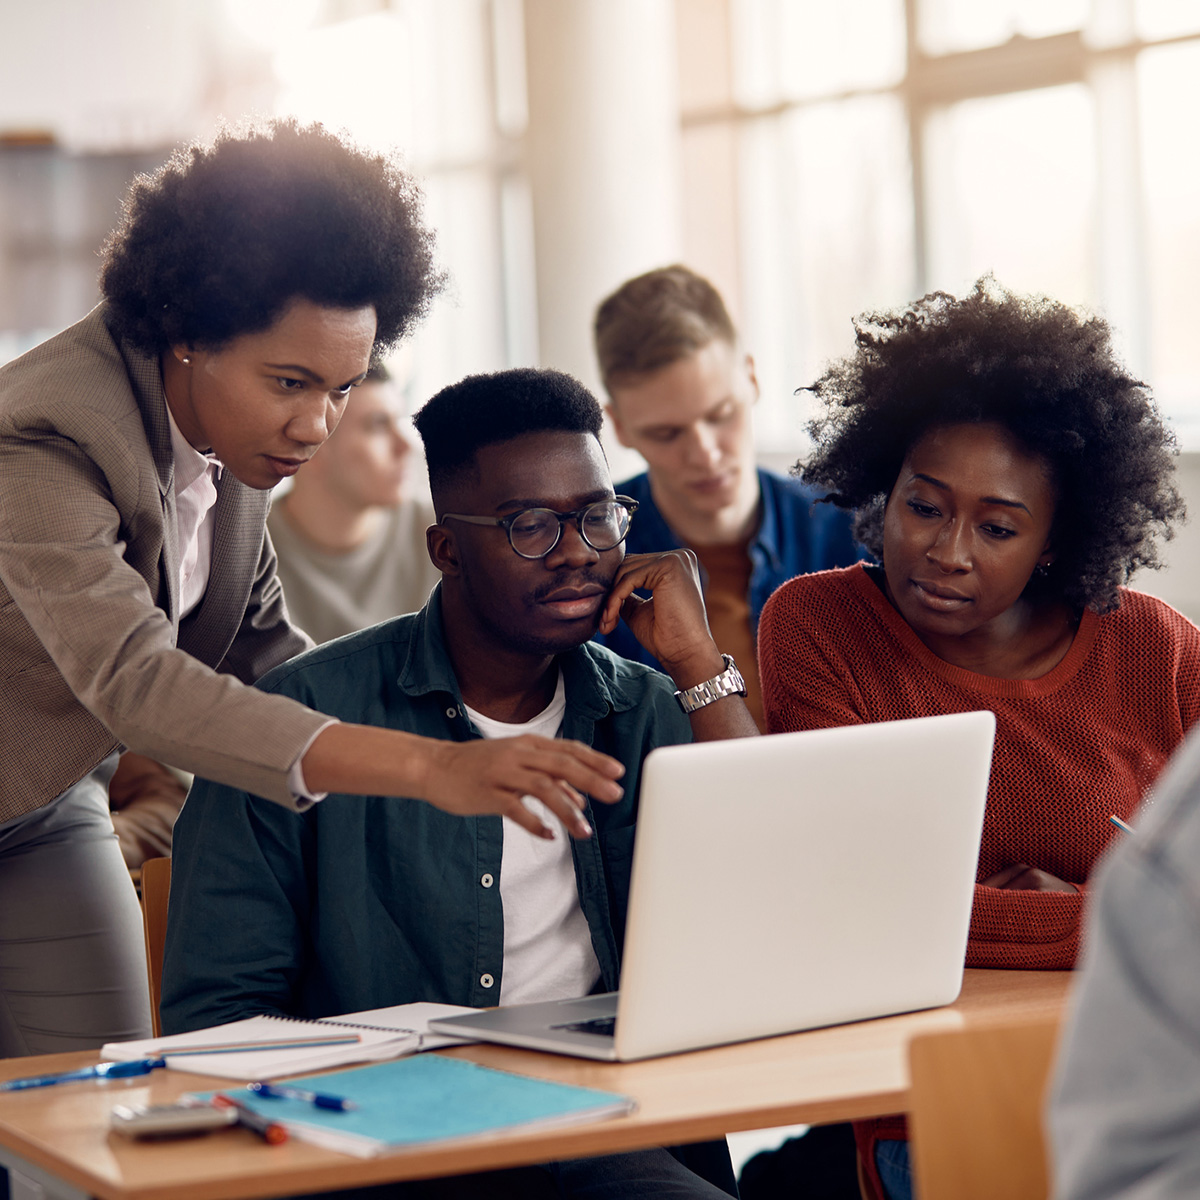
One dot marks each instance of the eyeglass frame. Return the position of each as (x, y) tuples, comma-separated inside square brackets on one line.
[(627, 502)]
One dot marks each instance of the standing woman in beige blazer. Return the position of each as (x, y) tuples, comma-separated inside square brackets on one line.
[(250, 286)]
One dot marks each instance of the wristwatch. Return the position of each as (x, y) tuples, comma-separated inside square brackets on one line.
[(728, 683)]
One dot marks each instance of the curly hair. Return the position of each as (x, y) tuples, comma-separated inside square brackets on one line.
[(1045, 372), (219, 240), (482, 410)]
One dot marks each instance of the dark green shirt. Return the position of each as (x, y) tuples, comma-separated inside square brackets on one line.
[(365, 902)]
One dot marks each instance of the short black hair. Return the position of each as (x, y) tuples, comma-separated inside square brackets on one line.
[(220, 239), (1046, 373), (482, 410)]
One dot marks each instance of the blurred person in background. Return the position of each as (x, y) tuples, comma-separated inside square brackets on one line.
[(681, 390), (349, 537)]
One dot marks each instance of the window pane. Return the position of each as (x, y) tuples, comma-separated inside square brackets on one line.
[(1010, 188), (827, 232), (947, 25), (1168, 85), (1166, 18), (792, 49)]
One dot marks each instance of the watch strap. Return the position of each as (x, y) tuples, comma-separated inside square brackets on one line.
[(728, 683)]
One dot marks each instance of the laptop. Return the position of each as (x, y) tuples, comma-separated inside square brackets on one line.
[(783, 883)]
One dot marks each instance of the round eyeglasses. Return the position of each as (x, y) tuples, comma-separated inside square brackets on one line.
[(534, 532)]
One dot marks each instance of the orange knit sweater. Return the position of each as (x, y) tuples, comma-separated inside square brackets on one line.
[(1073, 747)]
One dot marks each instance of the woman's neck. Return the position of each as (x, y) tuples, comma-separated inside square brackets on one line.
[(1027, 641)]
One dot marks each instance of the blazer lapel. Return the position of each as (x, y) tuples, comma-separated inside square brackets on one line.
[(145, 374)]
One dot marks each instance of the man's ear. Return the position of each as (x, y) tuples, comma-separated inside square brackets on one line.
[(618, 428), (443, 549)]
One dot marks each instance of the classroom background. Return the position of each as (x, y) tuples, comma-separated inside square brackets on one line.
[(814, 160)]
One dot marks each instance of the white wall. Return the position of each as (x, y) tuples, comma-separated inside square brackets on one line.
[(1178, 583)]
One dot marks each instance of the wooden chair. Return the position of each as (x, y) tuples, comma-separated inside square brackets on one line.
[(975, 1112), (156, 887)]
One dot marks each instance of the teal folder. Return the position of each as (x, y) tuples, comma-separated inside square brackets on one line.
[(429, 1098)]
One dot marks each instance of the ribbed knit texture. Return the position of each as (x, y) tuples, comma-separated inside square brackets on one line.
[(1080, 743)]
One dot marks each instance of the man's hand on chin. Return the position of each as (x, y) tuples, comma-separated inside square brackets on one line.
[(672, 625)]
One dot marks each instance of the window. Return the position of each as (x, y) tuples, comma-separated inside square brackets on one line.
[(885, 148)]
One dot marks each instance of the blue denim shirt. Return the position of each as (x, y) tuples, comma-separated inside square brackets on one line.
[(363, 902), (795, 536)]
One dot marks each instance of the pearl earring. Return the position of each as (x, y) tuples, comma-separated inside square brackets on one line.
[(186, 360)]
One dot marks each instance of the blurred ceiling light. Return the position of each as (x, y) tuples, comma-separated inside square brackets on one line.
[(270, 22), (350, 75)]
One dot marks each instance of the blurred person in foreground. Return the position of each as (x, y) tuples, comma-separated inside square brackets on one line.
[(681, 389), (1011, 475), (1124, 1114), (349, 536)]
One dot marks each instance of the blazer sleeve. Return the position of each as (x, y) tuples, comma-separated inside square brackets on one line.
[(66, 555)]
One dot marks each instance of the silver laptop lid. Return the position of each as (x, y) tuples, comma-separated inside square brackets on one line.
[(837, 886)]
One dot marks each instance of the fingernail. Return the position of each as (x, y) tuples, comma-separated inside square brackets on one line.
[(585, 830)]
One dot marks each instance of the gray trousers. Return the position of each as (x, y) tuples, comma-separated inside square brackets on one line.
[(72, 952)]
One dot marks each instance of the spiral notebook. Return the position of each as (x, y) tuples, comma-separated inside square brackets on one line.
[(269, 1047)]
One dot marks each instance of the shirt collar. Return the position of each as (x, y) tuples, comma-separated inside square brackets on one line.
[(592, 675), (190, 464), (767, 537)]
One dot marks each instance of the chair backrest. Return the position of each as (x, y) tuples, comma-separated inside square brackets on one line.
[(975, 1112), (156, 887)]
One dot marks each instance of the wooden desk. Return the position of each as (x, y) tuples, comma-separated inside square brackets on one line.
[(59, 1136)]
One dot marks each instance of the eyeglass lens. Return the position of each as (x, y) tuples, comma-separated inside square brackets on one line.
[(535, 531)]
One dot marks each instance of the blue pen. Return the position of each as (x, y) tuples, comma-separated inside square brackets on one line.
[(279, 1091), (110, 1070)]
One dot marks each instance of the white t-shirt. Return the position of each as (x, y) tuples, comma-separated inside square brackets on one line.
[(548, 951)]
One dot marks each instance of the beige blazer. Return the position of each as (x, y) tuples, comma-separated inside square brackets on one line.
[(92, 652)]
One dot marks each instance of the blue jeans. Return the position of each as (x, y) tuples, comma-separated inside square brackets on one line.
[(895, 1171)]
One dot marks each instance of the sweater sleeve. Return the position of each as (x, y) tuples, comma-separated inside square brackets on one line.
[(1016, 929), (804, 685)]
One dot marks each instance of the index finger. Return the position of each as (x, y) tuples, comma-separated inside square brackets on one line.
[(634, 572), (585, 769)]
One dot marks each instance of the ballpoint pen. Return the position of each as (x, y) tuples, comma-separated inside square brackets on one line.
[(270, 1131), (279, 1091), (110, 1070)]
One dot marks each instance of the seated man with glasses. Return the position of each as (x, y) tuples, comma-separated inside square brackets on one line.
[(363, 903)]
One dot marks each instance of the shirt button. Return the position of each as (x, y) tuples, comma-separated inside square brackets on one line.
[(452, 712), (487, 881), (486, 981)]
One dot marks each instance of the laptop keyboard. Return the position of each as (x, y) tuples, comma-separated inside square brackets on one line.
[(599, 1026)]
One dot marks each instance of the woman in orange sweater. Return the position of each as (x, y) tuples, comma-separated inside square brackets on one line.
[(1010, 475)]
